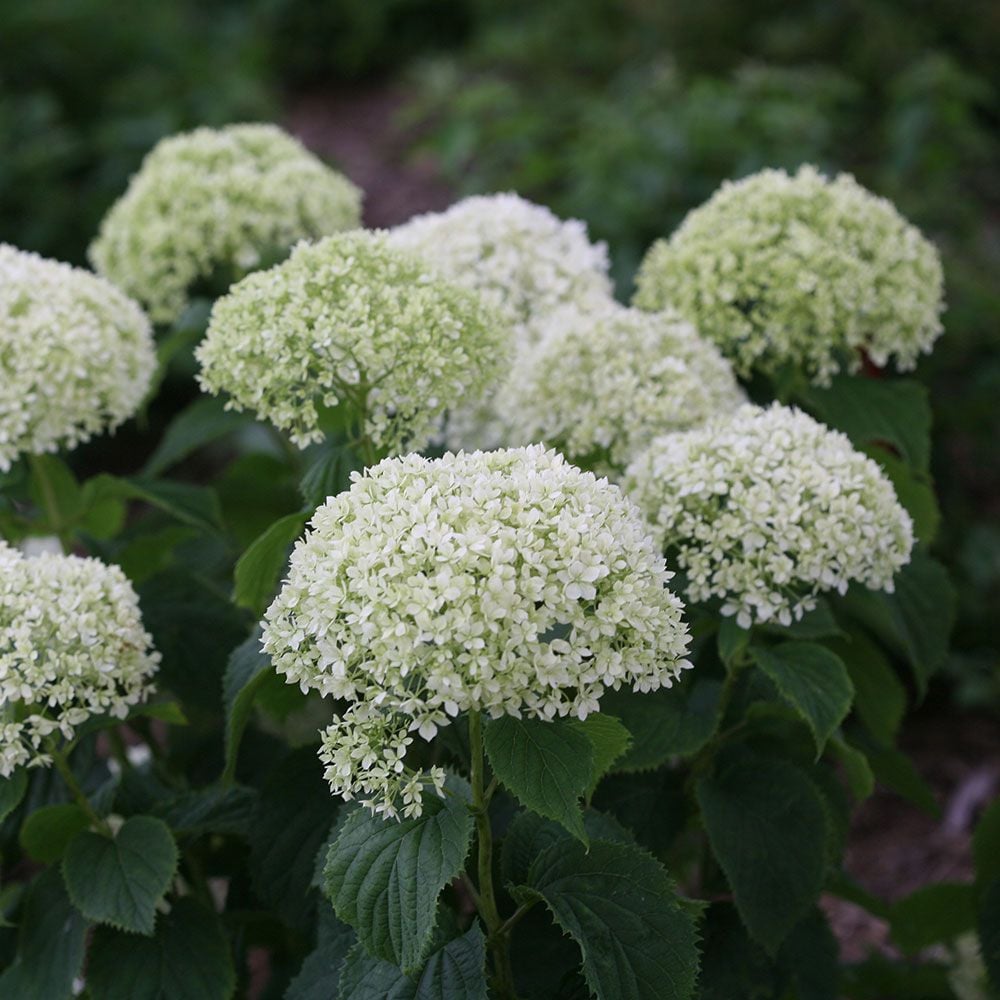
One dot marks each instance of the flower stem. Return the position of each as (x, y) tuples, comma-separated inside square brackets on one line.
[(495, 927), (79, 796)]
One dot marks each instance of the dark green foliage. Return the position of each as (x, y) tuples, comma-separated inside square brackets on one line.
[(755, 808), (384, 878)]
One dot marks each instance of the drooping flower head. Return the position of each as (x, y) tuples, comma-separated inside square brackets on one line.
[(351, 320), (525, 262), (505, 582), (217, 201), (803, 271), (72, 646), (605, 380), (768, 507), (76, 355)]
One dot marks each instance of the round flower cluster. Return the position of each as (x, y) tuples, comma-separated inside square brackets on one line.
[(350, 320), (800, 270), (217, 203), (508, 582), (76, 355), (768, 507), (524, 260), (605, 380), (72, 645)]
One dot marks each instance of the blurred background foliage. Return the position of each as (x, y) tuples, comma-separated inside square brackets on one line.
[(626, 113)]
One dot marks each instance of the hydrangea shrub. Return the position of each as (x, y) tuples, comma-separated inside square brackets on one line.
[(296, 702)]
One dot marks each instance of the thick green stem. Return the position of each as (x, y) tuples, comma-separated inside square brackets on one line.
[(49, 502), (79, 796), (496, 931)]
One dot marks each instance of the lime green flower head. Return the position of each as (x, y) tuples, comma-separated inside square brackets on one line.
[(76, 355), (800, 271), (217, 203), (351, 320)]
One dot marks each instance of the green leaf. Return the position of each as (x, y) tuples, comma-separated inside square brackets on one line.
[(676, 721), (859, 774), (454, 972), (810, 958), (254, 490), (166, 711), (215, 809), (916, 620), (878, 978), (12, 790), (47, 831), (922, 610), (293, 816), (119, 882), (609, 739), (530, 834), (329, 475), (50, 944), (732, 965), (767, 828), (816, 624), (202, 422), (246, 671), (988, 924), (319, 977), (197, 506), (195, 629), (187, 958), (879, 695), (258, 569), (938, 912), (914, 490), (652, 805), (812, 680), (878, 411), (986, 844), (55, 492), (547, 766), (732, 641), (896, 772), (619, 905), (384, 877), (102, 519)]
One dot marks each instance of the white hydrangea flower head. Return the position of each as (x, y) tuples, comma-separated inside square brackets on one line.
[(76, 355), (605, 380), (800, 271), (524, 260), (521, 257), (766, 508), (507, 582), (72, 646), (217, 201), (351, 320)]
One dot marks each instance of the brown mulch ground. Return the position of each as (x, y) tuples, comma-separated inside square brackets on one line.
[(894, 847)]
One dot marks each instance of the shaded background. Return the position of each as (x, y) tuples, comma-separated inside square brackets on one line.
[(625, 113)]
